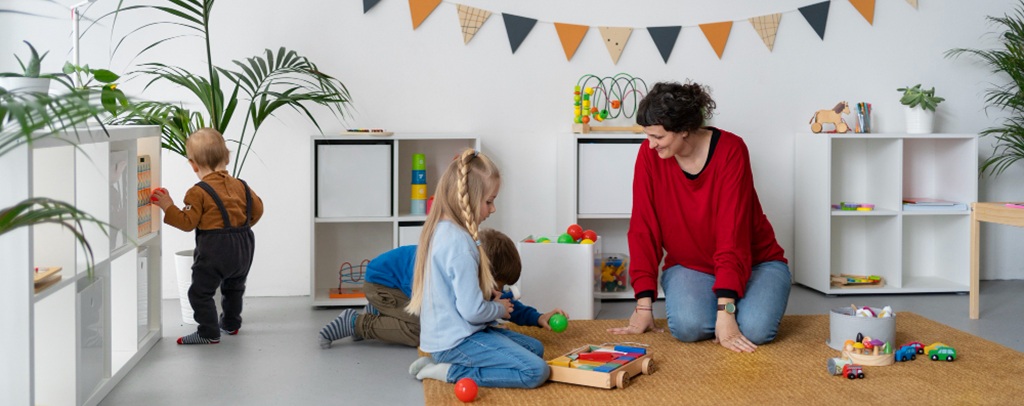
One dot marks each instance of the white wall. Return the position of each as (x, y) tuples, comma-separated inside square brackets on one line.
[(428, 81)]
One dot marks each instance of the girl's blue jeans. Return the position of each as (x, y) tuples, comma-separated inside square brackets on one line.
[(692, 307), (497, 357)]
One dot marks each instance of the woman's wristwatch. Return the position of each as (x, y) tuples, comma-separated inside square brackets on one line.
[(729, 307)]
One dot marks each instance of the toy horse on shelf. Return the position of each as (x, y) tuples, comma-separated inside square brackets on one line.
[(833, 116)]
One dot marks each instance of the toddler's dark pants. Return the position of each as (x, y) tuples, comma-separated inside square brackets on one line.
[(222, 259)]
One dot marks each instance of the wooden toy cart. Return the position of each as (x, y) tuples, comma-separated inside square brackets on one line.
[(616, 378)]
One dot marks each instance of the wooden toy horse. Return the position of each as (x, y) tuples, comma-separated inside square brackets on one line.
[(833, 117)]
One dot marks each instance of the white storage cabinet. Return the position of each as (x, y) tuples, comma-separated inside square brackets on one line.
[(915, 251), (361, 193), (72, 342)]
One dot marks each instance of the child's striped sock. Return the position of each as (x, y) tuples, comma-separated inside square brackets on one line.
[(194, 338), (369, 309), (229, 332), (342, 326)]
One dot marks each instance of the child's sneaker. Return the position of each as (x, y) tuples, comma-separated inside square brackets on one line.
[(229, 332), (194, 338)]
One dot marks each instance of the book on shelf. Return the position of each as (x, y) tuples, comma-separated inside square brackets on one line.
[(927, 201), (1016, 205)]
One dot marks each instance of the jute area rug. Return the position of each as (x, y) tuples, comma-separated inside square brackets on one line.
[(789, 371)]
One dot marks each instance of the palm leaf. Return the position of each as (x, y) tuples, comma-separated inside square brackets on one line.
[(41, 210)]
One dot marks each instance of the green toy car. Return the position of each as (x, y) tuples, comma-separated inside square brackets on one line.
[(946, 353)]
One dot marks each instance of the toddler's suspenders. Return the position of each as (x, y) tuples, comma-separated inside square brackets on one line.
[(224, 213)]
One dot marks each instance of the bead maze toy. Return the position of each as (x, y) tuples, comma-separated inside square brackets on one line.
[(350, 281), (599, 99), (602, 366)]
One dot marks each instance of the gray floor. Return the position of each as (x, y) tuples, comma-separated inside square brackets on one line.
[(276, 360)]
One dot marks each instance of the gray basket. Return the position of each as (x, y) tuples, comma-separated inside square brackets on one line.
[(844, 325)]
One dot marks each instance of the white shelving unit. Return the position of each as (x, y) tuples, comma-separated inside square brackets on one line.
[(361, 193), (915, 251), (72, 342), (595, 189)]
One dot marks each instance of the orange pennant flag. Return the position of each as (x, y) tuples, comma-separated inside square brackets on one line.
[(866, 9), (571, 36), (615, 39), (421, 9), (912, 3), (471, 19), (717, 35), (767, 26)]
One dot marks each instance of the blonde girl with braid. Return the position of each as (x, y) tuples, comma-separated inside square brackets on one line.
[(455, 294)]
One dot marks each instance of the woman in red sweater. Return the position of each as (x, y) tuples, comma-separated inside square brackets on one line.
[(725, 276)]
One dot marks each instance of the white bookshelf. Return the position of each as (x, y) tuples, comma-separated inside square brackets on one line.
[(361, 192), (915, 251), (72, 342)]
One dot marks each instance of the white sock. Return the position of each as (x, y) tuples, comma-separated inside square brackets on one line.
[(418, 364), (437, 371)]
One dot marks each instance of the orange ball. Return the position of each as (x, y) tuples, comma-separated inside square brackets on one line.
[(615, 104)]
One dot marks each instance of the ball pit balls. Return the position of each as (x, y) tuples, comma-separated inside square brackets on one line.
[(465, 390), (543, 240), (575, 231), (590, 235), (558, 323), (565, 238), (586, 241)]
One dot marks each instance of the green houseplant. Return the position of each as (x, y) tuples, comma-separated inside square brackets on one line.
[(1007, 62), (30, 79), (919, 108), (260, 85)]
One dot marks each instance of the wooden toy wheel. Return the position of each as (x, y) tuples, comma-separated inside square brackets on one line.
[(816, 127), (842, 127), (621, 380), (647, 367)]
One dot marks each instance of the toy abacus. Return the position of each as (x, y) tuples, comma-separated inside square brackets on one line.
[(602, 366), (599, 99)]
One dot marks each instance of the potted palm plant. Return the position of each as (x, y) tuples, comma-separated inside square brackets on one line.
[(919, 107), (1007, 62), (260, 85), (30, 79)]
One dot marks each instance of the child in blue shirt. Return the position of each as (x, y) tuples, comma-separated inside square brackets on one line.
[(454, 291), (389, 284)]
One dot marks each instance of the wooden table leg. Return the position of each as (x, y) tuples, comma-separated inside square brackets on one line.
[(975, 255)]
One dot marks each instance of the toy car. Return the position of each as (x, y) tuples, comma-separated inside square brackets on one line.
[(928, 349), (906, 353), (853, 371), (917, 345), (946, 353)]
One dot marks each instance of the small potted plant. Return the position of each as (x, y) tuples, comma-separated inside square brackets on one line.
[(98, 83), (920, 108), (30, 79)]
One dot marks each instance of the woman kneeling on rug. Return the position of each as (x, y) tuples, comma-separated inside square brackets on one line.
[(725, 276)]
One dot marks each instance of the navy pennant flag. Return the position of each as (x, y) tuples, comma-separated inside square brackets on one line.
[(368, 4), (517, 28), (665, 39), (817, 16)]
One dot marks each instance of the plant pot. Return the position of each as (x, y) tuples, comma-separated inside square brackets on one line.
[(919, 121), (25, 85), (183, 261)]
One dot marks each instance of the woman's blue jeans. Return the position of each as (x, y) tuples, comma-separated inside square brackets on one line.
[(692, 307), (497, 357)]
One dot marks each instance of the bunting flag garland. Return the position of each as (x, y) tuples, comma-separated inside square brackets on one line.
[(767, 26), (471, 19), (571, 36), (368, 4), (615, 39), (817, 16), (665, 39), (718, 35), (517, 29), (421, 9), (866, 9)]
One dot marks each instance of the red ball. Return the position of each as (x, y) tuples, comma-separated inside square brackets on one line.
[(590, 235), (465, 390), (575, 231)]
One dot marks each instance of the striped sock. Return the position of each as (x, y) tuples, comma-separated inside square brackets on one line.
[(342, 326), (194, 338), (369, 309), (229, 332)]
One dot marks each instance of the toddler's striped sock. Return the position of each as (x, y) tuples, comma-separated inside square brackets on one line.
[(369, 309), (342, 326), (229, 332), (194, 338)]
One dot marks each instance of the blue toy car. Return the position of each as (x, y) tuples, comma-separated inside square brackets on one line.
[(906, 353)]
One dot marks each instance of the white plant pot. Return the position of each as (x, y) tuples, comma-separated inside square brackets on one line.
[(183, 265), (25, 85), (919, 121)]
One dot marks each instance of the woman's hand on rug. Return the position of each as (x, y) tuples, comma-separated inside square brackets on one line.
[(543, 320), (727, 333), (640, 322)]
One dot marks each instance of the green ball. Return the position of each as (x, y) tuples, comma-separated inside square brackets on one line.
[(558, 322), (565, 238)]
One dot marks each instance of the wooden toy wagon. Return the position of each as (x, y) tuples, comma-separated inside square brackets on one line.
[(605, 367)]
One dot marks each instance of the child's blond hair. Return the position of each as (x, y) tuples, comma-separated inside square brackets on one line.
[(460, 192), (206, 147)]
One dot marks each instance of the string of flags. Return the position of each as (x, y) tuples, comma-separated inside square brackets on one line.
[(471, 19)]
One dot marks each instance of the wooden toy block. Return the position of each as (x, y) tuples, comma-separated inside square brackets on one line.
[(631, 350), (607, 375), (560, 361)]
